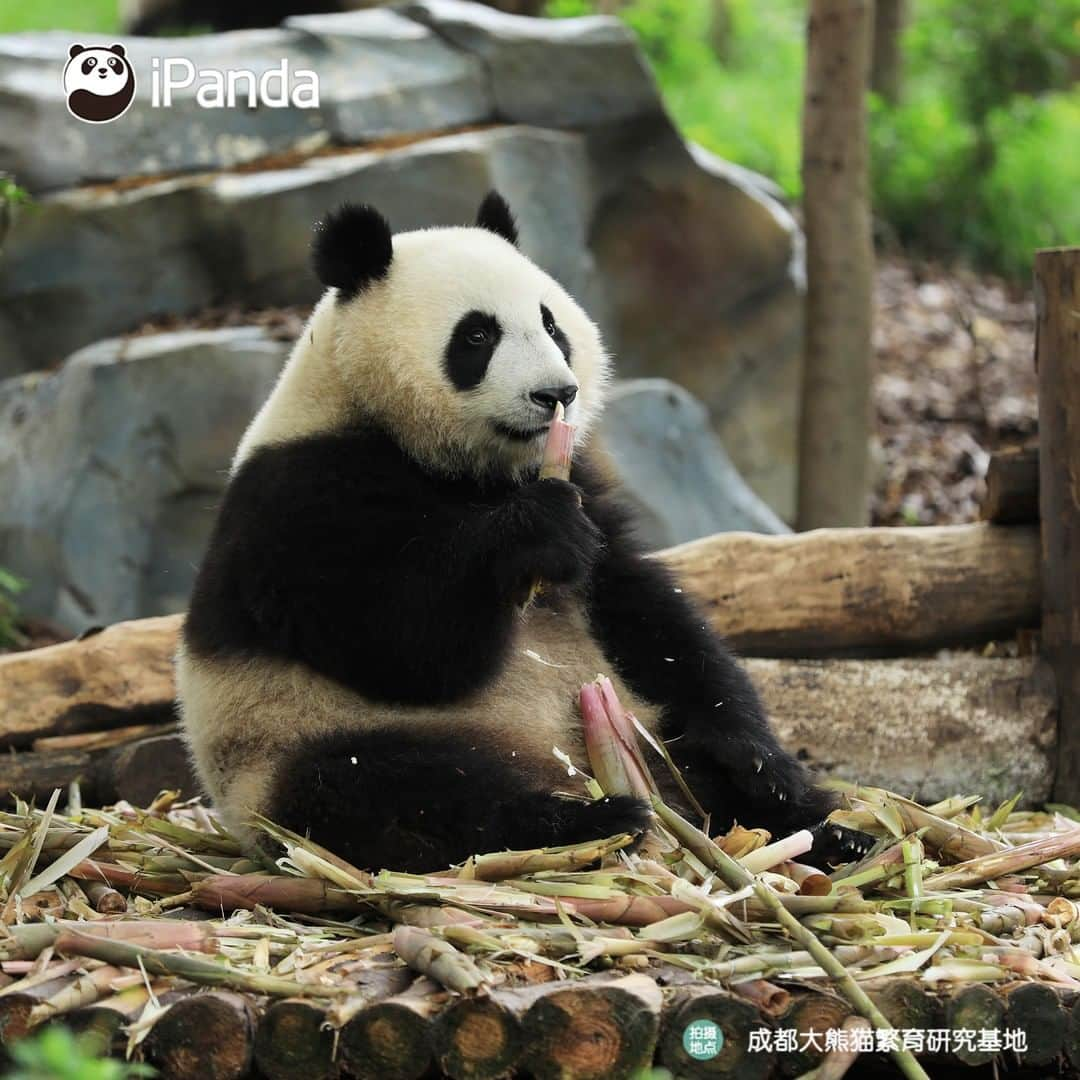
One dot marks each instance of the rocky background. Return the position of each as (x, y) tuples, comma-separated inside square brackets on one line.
[(115, 432)]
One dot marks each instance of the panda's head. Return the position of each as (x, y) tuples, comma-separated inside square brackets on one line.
[(454, 341)]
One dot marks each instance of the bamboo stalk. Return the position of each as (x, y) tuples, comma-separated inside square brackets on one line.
[(309, 896), (432, 956), (737, 878), (203, 972), (1011, 861)]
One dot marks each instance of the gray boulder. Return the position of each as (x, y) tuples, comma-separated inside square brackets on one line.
[(674, 469), (594, 64), (111, 468), (690, 265)]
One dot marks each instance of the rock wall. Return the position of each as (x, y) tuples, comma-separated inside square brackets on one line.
[(690, 265), (109, 469)]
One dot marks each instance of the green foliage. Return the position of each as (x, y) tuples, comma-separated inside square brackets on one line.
[(10, 587), (99, 16), (736, 88), (55, 1054), (977, 160)]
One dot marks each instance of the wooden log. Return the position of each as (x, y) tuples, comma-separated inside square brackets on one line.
[(293, 1042), (811, 1015), (136, 771), (100, 740), (907, 1003), (1012, 487), (864, 591), (592, 1029), (479, 1038), (828, 592), (114, 678), (1036, 1010), (204, 1036), (927, 727), (691, 1021), (974, 1008), (391, 1039), (1057, 358)]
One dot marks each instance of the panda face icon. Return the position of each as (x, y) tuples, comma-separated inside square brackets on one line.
[(99, 83)]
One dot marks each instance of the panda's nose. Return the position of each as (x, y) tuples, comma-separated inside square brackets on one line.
[(549, 396)]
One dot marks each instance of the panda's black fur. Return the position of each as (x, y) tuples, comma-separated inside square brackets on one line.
[(404, 584)]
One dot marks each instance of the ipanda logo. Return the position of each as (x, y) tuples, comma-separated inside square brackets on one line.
[(99, 82)]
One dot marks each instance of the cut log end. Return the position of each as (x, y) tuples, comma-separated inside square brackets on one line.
[(204, 1037), (811, 1016), (477, 1038), (386, 1041), (975, 1008), (735, 1019), (592, 1031), (294, 1043), (1035, 1009)]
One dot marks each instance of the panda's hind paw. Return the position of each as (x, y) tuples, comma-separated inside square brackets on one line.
[(835, 845)]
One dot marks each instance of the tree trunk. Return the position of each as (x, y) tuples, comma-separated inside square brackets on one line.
[(835, 422), (886, 74), (1057, 357)]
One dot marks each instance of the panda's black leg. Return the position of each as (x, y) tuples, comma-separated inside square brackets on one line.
[(421, 802)]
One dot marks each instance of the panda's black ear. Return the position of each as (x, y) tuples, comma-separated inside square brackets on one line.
[(118, 49), (352, 247), (495, 216), (75, 50)]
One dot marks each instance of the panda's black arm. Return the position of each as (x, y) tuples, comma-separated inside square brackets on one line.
[(338, 552), (663, 649)]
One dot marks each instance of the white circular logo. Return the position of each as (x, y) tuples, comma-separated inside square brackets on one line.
[(99, 82)]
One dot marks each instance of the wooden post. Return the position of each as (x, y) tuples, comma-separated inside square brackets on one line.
[(1057, 358), (835, 420)]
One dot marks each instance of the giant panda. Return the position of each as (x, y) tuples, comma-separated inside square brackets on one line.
[(360, 661)]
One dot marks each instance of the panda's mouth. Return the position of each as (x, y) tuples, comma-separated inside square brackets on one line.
[(521, 435)]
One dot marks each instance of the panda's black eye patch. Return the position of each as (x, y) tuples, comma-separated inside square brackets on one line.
[(88, 65), (553, 331), (470, 348), (114, 64)]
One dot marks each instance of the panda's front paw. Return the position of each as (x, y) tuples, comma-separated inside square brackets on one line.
[(555, 540)]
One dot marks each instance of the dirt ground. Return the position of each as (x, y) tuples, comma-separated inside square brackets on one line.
[(955, 380)]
